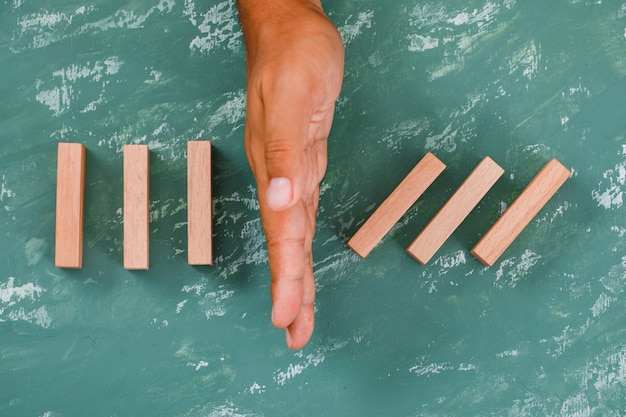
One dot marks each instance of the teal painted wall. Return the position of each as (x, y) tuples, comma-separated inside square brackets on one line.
[(541, 333)]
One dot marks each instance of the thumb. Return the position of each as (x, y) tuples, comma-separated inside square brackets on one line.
[(285, 150)]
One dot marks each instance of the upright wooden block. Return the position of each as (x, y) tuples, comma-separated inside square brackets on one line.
[(70, 201), (455, 210), (521, 212), (396, 204), (199, 210), (136, 206)]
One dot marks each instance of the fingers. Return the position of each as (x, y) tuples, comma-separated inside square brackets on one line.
[(289, 234), (300, 330), (285, 235)]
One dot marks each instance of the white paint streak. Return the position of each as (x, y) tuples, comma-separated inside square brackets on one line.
[(228, 410), (255, 388), (128, 19), (219, 27), (427, 14), (423, 368), (43, 28), (534, 149), (4, 191), (602, 304), (38, 316), (451, 260), (603, 377), (159, 324), (232, 112), (508, 354), (405, 131), (351, 30), (312, 359), (512, 270), (621, 231), (59, 93), (293, 370), (419, 43), (577, 406), (11, 295), (42, 20), (196, 288), (568, 336), (611, 196), (334, 266), (526, 61), (34, 250), (179, 306), (430, 369), (476, 17), (453, 32), (214, 303), (464, 367), (469, 105), (444, 141)]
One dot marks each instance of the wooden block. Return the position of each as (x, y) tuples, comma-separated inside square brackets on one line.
[(199, 210), (455, 210), (136, 206), (521, 212), (70, 202), (396, 204)]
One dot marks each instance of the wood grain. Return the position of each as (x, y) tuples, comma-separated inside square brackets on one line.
[(199, 209), (455, 210), (520, 213), (70, 202), (396, 204), (136, 207)]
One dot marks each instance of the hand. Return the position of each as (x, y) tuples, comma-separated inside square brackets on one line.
[(294, 73)]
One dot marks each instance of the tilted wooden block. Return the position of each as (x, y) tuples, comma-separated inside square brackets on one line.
[(396, 204), (520, 213), (199, 210), (455, 210), (70, 201), (136, 206)]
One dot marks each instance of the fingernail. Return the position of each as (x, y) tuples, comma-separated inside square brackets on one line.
[(279, 193)]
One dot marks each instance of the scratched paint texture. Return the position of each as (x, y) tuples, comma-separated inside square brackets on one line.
[(541, 333)]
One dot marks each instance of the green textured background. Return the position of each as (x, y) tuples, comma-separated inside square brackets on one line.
[(541, 333)]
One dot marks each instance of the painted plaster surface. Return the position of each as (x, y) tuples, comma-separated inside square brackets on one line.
[(541, 333)]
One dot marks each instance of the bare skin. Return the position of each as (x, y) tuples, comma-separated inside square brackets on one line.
[(295, 62)]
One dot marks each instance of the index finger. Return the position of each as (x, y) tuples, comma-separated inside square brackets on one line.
[(285, 233)]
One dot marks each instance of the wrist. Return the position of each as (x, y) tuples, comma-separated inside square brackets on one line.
[(263, 20)]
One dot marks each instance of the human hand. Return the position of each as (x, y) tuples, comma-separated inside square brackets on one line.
[(294, 73)]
